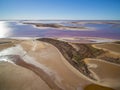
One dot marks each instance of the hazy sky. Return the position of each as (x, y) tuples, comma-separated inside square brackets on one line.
[(60, 9)]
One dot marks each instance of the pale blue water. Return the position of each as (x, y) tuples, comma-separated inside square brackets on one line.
[(14, 29)]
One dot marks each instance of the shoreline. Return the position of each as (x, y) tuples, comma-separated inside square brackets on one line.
[(99, 40), (59, 27)]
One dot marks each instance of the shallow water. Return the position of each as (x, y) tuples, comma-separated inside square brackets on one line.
[(16, 29)]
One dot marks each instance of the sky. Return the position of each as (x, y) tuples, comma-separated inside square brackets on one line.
[(60, 9)]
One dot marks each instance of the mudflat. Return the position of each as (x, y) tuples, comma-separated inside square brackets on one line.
[(43, 66)]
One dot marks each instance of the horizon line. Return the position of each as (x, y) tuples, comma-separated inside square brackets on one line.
[(54, 19)]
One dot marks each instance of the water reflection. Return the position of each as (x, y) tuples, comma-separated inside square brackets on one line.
[(4, 29)]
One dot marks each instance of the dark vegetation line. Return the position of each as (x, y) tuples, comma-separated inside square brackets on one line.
[(111, 59), (117, 42), (4, 42), (74, 57)]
